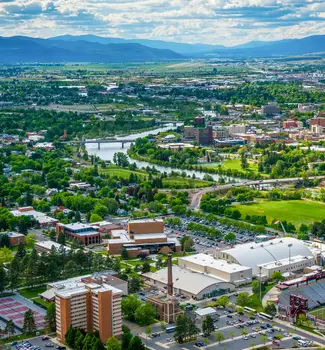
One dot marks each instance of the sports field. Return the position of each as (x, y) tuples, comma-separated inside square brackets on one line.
[(295, 211), (319, 313)]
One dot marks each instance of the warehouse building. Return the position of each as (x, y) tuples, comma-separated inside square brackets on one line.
[(288, 254), (221, 269), (189, 283)]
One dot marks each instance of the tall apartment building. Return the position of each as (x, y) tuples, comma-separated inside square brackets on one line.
[(88, 304), (204, 136)]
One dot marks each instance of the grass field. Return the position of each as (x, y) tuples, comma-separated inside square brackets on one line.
[(294, 211), (33, 292), (233, 164), (319, 313), (113, 170), (180, 182)]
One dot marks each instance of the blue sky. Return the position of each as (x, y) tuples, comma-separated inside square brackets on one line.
[(226, 22)]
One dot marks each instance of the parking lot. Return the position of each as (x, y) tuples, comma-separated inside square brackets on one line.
[(239, 332), (38, 343)]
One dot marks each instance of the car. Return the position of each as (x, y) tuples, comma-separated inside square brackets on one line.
[(155, 335), (286, 334), (230, 316), (246, 337), (270, 338), (49, 345), (169, 340), (253, 335), (296, 337), (45, 337), (268, 325), (276, 342), (199, 344)]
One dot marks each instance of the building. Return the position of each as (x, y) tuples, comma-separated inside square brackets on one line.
[(237, 129), (273, 251), (15, 238), (143, 237), (42, 219), (84, 233), (46, 246), (271, 109), (166, 304), (317, 126), (176, 147), (105, 227), (189, 132), (220, 269), (88, 303), (204, 136), (296, 263), (292, 124), (220, 133)]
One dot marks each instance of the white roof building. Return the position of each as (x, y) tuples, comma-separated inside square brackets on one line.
[(255, 254)]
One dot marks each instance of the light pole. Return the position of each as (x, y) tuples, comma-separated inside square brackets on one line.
[(260, 267)]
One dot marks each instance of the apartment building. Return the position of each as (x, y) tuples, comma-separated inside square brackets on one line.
[(89, 304)]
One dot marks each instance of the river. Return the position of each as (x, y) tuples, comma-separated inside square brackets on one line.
[(107, 150)]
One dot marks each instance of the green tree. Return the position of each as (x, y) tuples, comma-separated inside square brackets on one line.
[(256, 287), (126, 337), (145, 314), (134, 284), (218, 337), (50, 317), (70, 336), (95, 218), (3, 279), (113, 344), (277, 276), (185, 329), (136, 344), (124, 254), (242, 299), (10, 328), (145, 267), (270, 308), (232, 334), (207, 326), (129, 306), (230, 237), (29, 322), (223, 301)]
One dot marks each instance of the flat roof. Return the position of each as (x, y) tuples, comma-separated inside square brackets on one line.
[(149, 236), (145, 221), (207, 311), (209, 261), (285, 262), (77, 226), (49, 244), (12, 234)]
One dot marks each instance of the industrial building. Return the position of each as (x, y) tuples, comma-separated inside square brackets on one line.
[(89, 303), (220, 269), (143, 237), (188, 283), (288, 254)]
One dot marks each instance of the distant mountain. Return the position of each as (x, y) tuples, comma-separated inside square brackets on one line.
[(288, 47), (19, 49), (180, 48)]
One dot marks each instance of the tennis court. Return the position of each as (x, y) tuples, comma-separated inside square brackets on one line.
[(14, 307)]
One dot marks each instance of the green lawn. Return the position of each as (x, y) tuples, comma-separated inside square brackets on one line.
[(234, 164), (113, 170), (254, 300), (42, 302), (294, 211), (319, 313), (33, 292), (183, 182)]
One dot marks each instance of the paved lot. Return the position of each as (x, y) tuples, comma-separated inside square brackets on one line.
[(235, 337), (36, 343)]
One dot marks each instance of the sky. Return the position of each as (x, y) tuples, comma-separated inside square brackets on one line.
[(225, 22)]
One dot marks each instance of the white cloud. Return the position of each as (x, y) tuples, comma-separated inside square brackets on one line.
[(225, 22)]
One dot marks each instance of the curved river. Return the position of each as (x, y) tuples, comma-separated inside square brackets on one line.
[(107, 151)]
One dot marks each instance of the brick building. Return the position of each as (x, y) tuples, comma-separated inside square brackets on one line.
[(15, 238), (204, 136), (84, 233), (317, 126), (90, 304)]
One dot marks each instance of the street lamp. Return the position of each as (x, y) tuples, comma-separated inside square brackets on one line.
[(289, 246)]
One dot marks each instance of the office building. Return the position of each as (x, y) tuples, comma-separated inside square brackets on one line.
[(88, 303), (237, 129), (204, 136), (143, 237), (86, 234)]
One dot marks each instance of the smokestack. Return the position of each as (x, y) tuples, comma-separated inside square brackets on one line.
[(170, 275)]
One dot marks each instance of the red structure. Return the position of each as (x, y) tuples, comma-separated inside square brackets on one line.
[(298, 305), (170, 275)]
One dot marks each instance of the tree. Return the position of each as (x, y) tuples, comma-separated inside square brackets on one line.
[(50, 317), (30, 240), (232, 334), (163, 326), (223, 301), (270, 308), (70, 336), (3, 279), (10, 328), (136, 344), (29, 322), (219, 337), (129, 306), (185, 329), (256, 287), (126, 337), (207, 326), (263, 338), (230, 237), (242, 299), (277, 276), (134, 284), (145, 267), (145, 314), (124, 254), (21, 251), (113, 344), (61, 238), (95, 218)]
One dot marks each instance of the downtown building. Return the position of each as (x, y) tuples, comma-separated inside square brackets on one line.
[(88, 303)]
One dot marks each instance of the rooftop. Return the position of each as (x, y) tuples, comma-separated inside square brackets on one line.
[(286, 262), (209, 261), (49, 244), (145, 221)]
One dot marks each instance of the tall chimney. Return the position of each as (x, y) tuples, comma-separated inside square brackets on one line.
[(170, 275)]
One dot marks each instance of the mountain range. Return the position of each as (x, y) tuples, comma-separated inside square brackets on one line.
[(92, 48)]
